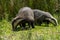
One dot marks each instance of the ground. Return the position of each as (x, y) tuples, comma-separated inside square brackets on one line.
[(38, 33)]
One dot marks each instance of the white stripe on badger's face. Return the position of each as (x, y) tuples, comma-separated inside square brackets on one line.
[(16, 22)]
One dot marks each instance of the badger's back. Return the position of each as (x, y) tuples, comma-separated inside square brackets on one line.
[(39, 13), (26, 13)]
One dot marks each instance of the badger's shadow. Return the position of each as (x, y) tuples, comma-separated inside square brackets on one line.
[(22, 29), (46, 25)]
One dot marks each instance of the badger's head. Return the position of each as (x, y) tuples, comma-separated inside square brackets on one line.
[(15, 22), (53, 21), (49, 17)]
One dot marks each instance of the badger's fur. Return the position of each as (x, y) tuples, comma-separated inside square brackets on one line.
[(26, 14), (43, 16)]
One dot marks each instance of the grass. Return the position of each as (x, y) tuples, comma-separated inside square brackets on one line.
[(38, 33)]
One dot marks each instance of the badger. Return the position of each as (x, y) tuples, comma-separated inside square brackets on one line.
[(25, 14), (42, 16)]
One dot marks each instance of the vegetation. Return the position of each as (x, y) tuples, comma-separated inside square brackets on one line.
[(38, 33), (8, 10)]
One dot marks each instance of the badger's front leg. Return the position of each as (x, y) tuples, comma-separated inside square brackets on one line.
[(32, 24), (46, 22), (23, 25)]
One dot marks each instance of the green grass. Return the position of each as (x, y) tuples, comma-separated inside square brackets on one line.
[(38, 33)]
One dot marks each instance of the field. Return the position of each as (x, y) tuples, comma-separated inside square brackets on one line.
[(10, 8), (38, 33)]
